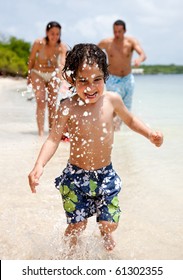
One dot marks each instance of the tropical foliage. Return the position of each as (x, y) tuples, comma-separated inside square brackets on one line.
[(14, 55)]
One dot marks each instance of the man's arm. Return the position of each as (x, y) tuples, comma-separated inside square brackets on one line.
[(103, 44), (142, 56)]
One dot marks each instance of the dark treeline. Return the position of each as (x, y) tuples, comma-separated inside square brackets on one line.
[(162, 69), (14, 55)]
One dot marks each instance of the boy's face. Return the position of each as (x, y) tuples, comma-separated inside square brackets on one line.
[(90, 83)]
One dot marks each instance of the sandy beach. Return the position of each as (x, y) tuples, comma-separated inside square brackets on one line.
[(32, 225)]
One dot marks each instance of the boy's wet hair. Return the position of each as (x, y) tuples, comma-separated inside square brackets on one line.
[(120, 22), (84, 53), (50, 25)]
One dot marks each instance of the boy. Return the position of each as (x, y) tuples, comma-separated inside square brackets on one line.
[(89, 185)]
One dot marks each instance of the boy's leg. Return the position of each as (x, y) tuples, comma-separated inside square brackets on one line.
[(74, 230), (106, 229)]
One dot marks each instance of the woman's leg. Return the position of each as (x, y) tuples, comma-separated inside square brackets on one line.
[(74, 230), (106, 229), (53, 89), (39, 87)]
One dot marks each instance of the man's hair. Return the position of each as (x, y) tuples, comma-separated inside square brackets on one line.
[(120, 22), (84, 53), (50, 25)]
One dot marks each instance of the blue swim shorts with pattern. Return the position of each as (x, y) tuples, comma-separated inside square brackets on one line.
[(124, 86), (86, 193)]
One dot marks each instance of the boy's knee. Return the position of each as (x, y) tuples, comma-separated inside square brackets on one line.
[(76, 228), (107, 226)]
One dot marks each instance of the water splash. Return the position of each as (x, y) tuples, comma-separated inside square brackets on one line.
[(46, 240)]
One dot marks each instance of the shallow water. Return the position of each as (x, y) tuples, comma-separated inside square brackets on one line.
[(151, 224)]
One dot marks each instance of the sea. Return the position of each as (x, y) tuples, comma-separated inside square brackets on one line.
[(151, 199)]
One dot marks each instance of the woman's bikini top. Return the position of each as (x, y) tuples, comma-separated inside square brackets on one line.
[(46, 61)]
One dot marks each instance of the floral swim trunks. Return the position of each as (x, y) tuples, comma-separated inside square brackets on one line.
[(89, 192)]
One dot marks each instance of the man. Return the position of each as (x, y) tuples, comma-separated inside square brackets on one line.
[(119, 50)]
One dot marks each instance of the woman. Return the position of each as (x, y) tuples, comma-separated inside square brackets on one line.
[(45, 64)]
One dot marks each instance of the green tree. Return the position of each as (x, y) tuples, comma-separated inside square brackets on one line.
[(162, 69), (14, 55)]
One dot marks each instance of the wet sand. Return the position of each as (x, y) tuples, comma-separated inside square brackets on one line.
[(32, 225)]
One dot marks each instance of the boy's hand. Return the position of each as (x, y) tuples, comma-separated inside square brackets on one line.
[(34, 178), (156, 138)]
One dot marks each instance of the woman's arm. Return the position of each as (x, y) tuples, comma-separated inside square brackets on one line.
[(32, 59), (63, 51)]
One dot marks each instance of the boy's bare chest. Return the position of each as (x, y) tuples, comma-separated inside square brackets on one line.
[(88, 120)]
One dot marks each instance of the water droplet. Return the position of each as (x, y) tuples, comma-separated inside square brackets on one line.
[(85, 114), (81, 103), (65, 112)]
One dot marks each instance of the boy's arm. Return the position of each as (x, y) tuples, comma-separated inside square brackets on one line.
[(136, 124), (48, 149), (156, 137)]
